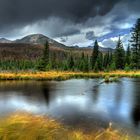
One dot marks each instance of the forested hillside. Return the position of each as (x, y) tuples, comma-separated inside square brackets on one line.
[(18, 56)]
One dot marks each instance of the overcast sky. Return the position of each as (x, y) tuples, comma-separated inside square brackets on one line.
[(71, 22)]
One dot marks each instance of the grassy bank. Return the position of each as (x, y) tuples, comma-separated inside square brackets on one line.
[(28, 127), (53, 75)]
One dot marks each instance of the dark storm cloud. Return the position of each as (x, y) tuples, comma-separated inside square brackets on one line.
[(22, 12), (90, 35), (68, 31), (64, 39), (17, 14)]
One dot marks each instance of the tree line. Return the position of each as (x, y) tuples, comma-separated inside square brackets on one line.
[(120, 59)]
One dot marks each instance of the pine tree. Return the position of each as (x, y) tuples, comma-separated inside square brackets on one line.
[(95, 53), (100, 61), (44, 62), (128, 56), (106, 60), (81, 62), (112, 64), (86, 66), (71, 63), (135, 43), (119, 55)]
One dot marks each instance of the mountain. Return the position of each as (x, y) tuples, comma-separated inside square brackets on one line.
[(105, 50), (31, 48), (4, 40), (38, 39)]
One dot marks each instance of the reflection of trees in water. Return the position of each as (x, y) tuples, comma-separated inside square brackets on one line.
[(95, 91), (46, 92), (136, 115), (119, 94), (136, 110), (136, 106)]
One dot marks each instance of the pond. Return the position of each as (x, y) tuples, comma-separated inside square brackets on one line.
[(79, 103)]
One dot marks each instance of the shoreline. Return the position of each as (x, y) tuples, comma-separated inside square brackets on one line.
[(60, 76)]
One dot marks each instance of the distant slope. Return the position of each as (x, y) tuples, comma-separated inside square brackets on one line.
[(38, 39), (4, 40), (17, 51), (31, 48), (105, 50)]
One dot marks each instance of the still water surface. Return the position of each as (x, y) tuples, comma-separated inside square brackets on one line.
[(76, 103)]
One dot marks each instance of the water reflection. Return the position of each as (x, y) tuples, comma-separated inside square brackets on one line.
[(79, 103), (136, 104), (136, 115), (95, 91), (118, 94), (46, 92)]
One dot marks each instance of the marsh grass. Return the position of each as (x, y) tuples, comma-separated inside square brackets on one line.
[(54, 75), (22, 126)]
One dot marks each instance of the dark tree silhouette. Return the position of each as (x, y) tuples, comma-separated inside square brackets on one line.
[(119, 55), (95, 53), (135, 43), (44, 62)]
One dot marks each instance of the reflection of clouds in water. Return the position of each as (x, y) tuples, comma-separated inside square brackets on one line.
[(83, 104), (15, 103), (66, 100), (19, 103), (80, 102), (115, 101)]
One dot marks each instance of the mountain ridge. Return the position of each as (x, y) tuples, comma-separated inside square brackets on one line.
[(40, 39), (4, 40)]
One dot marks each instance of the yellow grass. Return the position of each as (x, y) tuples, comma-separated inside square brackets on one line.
[(53, 75), (23, 126)]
